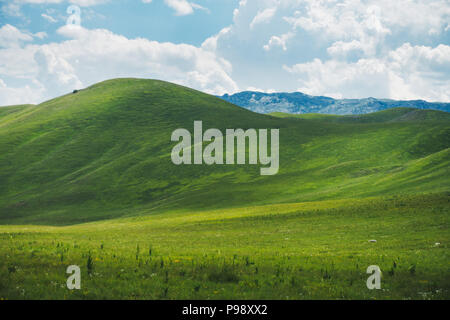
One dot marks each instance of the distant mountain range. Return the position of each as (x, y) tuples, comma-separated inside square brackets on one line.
[(298, 103)]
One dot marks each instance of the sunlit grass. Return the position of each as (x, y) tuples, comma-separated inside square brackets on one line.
[(317, 250)]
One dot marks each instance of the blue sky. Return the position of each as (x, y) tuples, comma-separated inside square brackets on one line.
[(131, 18), (350, 48)]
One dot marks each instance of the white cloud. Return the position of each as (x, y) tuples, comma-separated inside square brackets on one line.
[(15, 95), (413, 72), (340, 49), (259, 90), (90, 56), (278, 41), (199, 7), (211, 43), (263, 16), (343, 48), (10, 36), (11, 9), (41, 35), (54, 71), (49, 18), (331, 78), (181, 7)]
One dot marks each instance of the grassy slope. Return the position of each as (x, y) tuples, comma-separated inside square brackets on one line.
[(218, 232), (105, 152), (8, 110), (316, 250)]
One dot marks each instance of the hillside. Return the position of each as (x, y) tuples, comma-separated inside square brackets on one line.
[(104, 152), (312, 250), (4, 111), (390, 115), (300, 103)]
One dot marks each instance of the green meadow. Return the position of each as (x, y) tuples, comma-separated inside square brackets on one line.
[(86, 179)]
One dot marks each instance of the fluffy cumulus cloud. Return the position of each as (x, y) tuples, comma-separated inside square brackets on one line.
[(350, 48), (413, 72), (341, 48), (90, 56), (278, 41), (181, 7), (10, 36), (18, 95), (263, 16)]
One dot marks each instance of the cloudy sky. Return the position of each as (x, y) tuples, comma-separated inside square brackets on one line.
[(353, 49)]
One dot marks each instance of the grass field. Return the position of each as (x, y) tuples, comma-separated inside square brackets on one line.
[(86, 179), (312, 250)]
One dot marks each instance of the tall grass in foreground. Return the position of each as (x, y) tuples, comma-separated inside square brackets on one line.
[(295, 251)]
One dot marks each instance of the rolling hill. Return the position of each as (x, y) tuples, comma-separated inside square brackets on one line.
[(86, 179), (300, 103), (104, 152)]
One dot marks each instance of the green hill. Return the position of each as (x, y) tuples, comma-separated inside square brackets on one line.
[(104, 152), (86, 179), (4, 111)]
